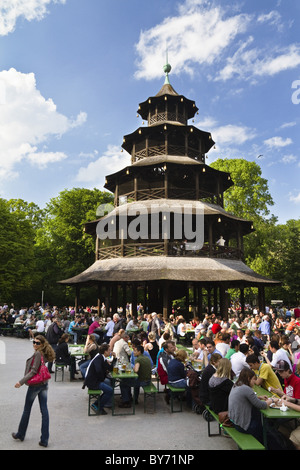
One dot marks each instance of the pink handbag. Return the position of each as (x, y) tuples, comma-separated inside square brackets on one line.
[(42, 374)]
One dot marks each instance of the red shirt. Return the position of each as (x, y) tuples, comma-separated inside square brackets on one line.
[(216, 328), (292, 386), (297, 312)]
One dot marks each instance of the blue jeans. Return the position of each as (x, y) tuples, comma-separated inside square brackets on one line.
[(106, 397), (83, 367), (179, 383), (125, 387), (39, 391)]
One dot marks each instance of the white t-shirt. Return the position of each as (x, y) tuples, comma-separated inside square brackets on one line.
[(223, 348), (40, 326), (279, 356), (238, 362)]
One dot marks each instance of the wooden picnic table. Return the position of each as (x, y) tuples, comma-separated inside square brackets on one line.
[(273, 413), (117, 377)]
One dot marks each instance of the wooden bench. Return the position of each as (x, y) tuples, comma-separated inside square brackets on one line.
[(244, 441), (176, 393), (150, 391), (94, 395)]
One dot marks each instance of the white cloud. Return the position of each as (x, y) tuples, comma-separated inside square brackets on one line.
[(112, 160), (28, 120), (249, 64), (288, 124), (42, 159), (289, 159), (296, 198), (199, 34), (12, 10), (278, 142), (228, 133), (273, 18)]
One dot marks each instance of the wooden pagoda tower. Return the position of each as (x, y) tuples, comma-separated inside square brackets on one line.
[(168, 167)]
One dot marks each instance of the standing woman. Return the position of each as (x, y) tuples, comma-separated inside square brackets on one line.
[(42, 352)]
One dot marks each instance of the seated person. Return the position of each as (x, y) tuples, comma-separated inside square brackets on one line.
[(152, 346), (96, 376), (291, 381), (62, 355), (265, 376), (91, 347), (163, 358), (244, 405), (220, 385), (207, 373), (176, 370), (143, 368), (136, 342)]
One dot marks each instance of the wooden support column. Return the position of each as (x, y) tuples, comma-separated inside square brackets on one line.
[(242, 300), (197, 185), (210, 237), (166, 185), (261, 299), (99, 299), (215, 300), (223, 303), (200, 301), (209, 299), (107, 299), (116, 195), (135, 188), (124, 299), (114, 298), (165, 300), (97, 248), (134, 299), (77, 299)]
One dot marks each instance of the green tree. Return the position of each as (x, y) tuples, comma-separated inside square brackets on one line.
[(17, 239), (63, 248)]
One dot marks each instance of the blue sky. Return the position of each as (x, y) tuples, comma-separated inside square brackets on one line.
[(72, 73)]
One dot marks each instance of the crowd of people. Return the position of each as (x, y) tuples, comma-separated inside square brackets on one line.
[(219, 361)]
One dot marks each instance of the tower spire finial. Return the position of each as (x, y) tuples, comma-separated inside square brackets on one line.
[(167, 69)]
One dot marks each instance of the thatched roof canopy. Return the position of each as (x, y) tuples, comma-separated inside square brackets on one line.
[(205, 270)]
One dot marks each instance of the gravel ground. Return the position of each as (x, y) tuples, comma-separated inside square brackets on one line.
[(179, 434)]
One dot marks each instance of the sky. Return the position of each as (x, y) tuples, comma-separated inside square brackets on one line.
[(73, 72)]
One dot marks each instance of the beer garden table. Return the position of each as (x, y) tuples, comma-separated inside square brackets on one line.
[(117, 377), (273, 413)]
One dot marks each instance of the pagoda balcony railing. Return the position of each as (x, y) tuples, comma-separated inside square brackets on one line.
[(169, 149), (168, 249), (172, 193), (166, 116)]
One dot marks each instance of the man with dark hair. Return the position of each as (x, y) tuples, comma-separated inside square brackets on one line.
[(291, 381), (266, 377), (96, 376), (278, 354), (143, 368), (238, 359)]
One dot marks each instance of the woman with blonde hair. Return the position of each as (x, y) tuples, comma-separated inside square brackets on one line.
[(220, 385), (43, 352)]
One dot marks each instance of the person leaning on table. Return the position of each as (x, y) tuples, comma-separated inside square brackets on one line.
[(291, 381), (244, 405), (265, 376)]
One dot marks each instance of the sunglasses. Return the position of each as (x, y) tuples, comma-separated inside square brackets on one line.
[(36, 342)]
